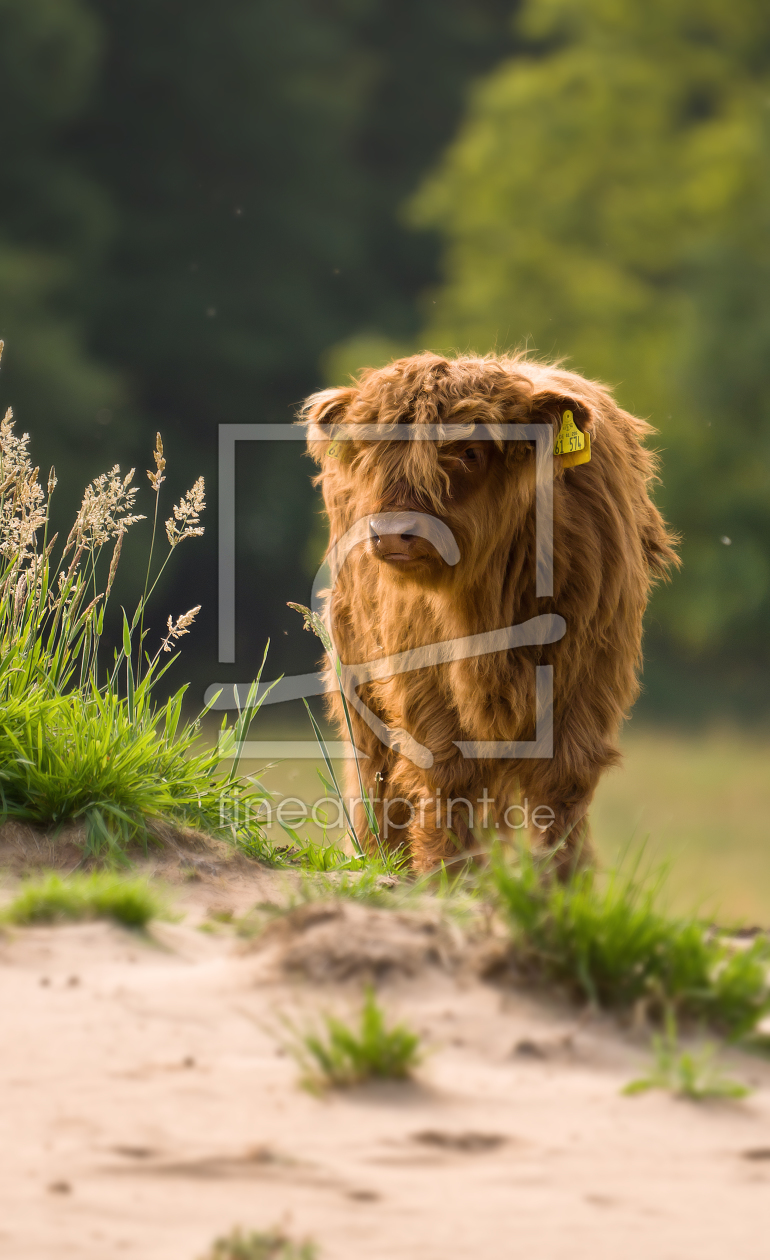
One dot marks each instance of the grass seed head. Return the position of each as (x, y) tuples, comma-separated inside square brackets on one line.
[(157, 478), (106, 510), (185, 523), (179, 627)]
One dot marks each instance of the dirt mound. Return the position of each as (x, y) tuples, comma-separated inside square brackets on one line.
[(25, 849), (179, 852), (334, 941)]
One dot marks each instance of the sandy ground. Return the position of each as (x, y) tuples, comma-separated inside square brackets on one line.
[(148, 1107)]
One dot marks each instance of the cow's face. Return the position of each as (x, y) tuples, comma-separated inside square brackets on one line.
[(479, 487), (459, 473), (404, 486)]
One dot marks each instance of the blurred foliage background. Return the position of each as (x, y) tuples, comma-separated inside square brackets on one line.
[(205, 213)]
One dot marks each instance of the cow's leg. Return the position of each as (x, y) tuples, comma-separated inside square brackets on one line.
[(414, 816), (558, 801), (441, 828), (567, 837), (431, 843), (560, 790), (411, 814)]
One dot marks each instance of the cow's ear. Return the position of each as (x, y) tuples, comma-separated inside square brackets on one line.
[(573, 427), (320, 412)]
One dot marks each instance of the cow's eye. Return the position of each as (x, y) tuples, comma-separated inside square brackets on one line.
[(471, 455)]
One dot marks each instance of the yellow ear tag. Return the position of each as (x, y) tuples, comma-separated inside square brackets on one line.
[(573, 445), (333, 451)]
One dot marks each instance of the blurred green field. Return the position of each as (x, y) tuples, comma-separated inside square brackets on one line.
[(701, 803), (698, 802)]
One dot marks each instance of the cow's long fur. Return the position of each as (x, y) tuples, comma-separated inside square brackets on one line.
[(610, 542)]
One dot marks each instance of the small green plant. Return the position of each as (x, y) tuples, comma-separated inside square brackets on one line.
[(685, 1073), (342, 1056), (273, 1245), (609, 941), (367, 883), (324, 857), (328, 858), (99, 895)]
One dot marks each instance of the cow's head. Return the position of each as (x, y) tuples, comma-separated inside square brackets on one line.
[(479, 485)]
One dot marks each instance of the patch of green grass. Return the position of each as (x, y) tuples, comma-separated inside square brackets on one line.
[(610, 942), (82, 738), (273, 1245), (370, 885), (459, 898), (326, 856), (122, 769), (685, 1073), (342, 1056), (253, 842), (99, 895)]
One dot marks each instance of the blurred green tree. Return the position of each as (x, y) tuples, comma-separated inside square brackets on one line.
[(198, 203), (257, 157), (608, 199), (54, 227)]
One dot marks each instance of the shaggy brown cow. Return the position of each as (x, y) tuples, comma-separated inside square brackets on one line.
[(396, 592)]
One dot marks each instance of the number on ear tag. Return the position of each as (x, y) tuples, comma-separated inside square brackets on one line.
[(572, 444)]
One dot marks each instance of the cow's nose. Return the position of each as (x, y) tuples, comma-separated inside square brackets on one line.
[(399, 523)]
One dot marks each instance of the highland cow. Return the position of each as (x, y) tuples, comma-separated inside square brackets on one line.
[(396, 592)]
